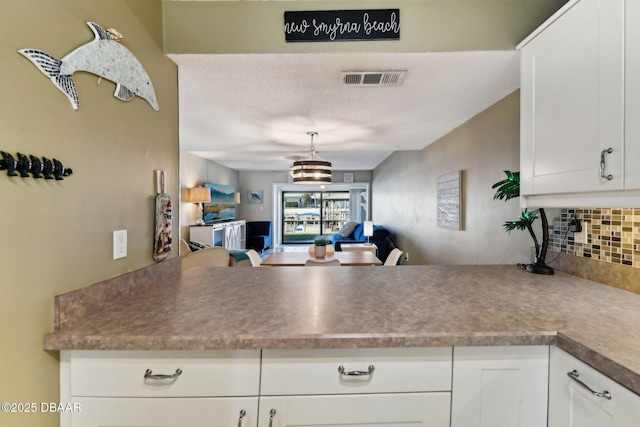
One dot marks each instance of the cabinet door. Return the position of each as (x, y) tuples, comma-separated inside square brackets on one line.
[(572, 101), (571, 404), (205, 234), (632, 95), (166, 412), (408, 409), (500, 386)]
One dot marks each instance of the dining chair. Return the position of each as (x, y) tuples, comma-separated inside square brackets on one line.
[(214, 256), (393, 258), (322, 263), (254, 257)]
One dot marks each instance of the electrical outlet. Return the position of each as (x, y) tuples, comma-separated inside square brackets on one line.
[(119, 244), (581, 237)]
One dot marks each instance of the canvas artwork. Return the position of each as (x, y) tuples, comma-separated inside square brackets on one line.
[(449, 201), (222, 205), (255, 197)]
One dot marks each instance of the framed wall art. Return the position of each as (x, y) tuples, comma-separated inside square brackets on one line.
[(450, 200), (255, 197)]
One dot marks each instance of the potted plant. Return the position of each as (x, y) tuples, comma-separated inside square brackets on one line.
[(320, 246), (508, 189)]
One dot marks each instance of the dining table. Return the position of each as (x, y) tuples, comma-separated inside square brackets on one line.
[(292, 259)]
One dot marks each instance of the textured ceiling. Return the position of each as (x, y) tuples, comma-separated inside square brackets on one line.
[(252, 111)]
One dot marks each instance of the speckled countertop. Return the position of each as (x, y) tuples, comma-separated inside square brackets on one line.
[(346, 307)]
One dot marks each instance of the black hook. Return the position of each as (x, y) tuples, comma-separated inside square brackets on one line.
[(59, 171), (47, 168), (36, 167), (23, 165), (8, 163)]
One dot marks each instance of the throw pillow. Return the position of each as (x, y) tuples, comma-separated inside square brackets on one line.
[(196, 246), (347, 229)]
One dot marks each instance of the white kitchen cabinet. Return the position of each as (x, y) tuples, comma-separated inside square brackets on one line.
[(168, 388), (500, 386), (632, 95), (573, 403), (572, 101), (230, 235), (356, 387)]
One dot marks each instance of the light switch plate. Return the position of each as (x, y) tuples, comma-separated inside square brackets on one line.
[(119, 244)]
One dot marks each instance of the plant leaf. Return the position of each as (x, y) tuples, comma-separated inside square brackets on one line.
[(525, 220), (508, 188)]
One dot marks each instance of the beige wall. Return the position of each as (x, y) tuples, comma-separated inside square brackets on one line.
[(426, 25), (404, 192), (57, 235)]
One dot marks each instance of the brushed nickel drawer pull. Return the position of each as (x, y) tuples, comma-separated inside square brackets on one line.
[(603, 164), (272, 414), (574, 375), (356, 373), (242, 414), (149, 375)]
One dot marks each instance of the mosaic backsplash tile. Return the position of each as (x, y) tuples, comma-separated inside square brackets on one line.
[(613, 235)]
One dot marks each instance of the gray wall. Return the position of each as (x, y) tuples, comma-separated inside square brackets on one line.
[(404, 192), (195, 171), (263, 180)]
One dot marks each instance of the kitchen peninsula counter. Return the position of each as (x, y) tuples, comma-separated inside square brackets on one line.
[(351, 307)]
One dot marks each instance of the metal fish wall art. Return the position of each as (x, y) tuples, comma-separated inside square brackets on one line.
[(102, 56)]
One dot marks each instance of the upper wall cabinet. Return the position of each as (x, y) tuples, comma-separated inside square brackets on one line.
[(577, 94), (632, 95)]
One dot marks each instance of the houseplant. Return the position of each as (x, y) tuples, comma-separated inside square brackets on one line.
[(320, 246), (508, 189)]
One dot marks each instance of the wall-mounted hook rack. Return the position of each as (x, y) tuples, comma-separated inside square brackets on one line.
[(26, 165)]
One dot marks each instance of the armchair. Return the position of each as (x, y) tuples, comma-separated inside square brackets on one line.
[(259, 235)]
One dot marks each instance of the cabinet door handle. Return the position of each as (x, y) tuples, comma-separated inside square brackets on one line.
[(603, 164), (149, 375), (574, 375), (369, 371), (272, 414), (242, 414)]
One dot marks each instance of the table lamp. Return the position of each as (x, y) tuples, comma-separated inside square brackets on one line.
[(199, 195), (368, 230)]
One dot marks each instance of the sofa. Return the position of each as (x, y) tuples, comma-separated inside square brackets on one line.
[(354, 233), (259, 235)]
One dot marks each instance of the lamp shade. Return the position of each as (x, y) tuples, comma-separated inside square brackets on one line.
[(236, 198), (199, 195), (313, 169), (311, 172), (368, 228)]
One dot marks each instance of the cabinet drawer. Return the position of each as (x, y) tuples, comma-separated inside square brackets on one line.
[(203, 373), (165, 412), (366, 410), (363, 371)]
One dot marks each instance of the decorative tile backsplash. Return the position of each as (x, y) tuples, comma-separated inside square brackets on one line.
[(613, 235)]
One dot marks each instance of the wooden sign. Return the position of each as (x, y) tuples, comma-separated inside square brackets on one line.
[(342, 25)]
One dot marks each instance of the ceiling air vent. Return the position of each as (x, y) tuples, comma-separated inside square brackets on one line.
[(373, 78)]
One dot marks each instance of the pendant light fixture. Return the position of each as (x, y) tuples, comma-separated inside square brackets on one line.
[(313, 169)]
